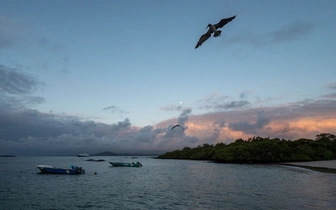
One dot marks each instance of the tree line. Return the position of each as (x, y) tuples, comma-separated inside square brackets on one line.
[(262, 150)]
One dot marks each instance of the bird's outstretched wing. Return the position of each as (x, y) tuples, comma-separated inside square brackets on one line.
[(176, 126), (203, 38), (223, 22)]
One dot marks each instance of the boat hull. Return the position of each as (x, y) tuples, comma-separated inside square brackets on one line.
[(53, 170), (120, 164)]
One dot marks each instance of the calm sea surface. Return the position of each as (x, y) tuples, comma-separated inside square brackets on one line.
[(162, 184)]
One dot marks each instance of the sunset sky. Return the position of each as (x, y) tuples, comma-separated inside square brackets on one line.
[(92, 76)]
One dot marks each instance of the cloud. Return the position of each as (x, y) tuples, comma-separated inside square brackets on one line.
[(243, 95), (114, 109), (172, 108), (248, 127), (303, 119), (13, 82), (288, 33), (16, 89), (28, 131), (330, 96), (331, 85), (226, 106), (220, 102), (220, 123), (292, 31), (47, 54), (126, 124), (213, 99), (234, 105), (183, 118)]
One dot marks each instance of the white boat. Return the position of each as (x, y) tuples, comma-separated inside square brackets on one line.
[(83, 155)]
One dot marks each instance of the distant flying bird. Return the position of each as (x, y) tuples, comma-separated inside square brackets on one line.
[(213, 29), (177, 126)]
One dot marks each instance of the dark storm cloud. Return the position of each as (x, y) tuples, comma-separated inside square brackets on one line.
[(248, 127), (21, 124), (14, 82), (28, 130), (126, 124), (147, 134)]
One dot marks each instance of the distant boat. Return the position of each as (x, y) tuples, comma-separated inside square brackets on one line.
[(53, 170), (121, 164), (83, 155), (96, 160)]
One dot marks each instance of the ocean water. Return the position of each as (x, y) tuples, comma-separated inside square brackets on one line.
[(162, 184)]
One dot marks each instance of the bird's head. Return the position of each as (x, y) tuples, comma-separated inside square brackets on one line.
[(208, 25)]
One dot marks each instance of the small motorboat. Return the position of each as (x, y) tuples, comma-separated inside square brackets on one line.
[(53, 170), (121, 164)]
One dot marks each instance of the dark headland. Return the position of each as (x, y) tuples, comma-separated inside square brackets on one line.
[(262, 150)]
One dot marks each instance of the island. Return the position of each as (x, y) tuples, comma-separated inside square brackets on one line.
[(107, 153), (261, 150)]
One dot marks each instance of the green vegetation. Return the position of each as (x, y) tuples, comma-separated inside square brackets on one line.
[(262, 150)]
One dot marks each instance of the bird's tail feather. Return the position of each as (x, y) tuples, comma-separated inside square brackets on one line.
[(218, 33)]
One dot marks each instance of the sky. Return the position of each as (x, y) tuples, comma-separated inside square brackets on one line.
[(92, 76)]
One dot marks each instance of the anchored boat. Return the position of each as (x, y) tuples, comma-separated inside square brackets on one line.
[(53, 170), (121, 164)]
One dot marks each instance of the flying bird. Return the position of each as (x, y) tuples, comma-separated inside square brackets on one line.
[(176, 126), (213, 29)]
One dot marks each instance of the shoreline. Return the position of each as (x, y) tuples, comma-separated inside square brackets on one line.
[(326, 166)]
